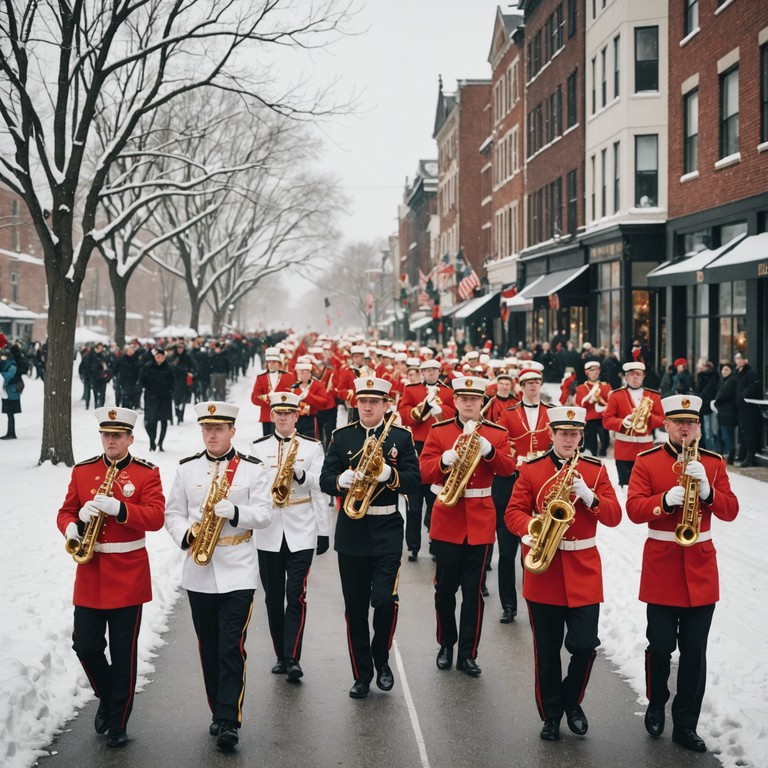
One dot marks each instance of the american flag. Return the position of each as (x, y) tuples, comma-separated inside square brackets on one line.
[(445, 271), (468, 281)]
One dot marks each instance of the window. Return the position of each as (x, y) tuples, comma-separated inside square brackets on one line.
[(593, 201), (729, 112), (603, 76), (513, 139), (733, 318), (573, 200), (594, 84), (572, 11), (616, 65), (15, 238), (691, 16), (14, 276), (603, 182), (764, 93), (616, 176), (646, 59), (559, 111), (646, 171), (572, 97), (691, 128), (558, 30)]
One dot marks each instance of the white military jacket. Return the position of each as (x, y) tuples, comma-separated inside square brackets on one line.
[(231, 567), (307, 514)]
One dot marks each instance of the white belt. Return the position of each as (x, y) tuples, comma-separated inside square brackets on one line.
[(120, 546), (567, 546), (387, 510), (470, 493), (670, 535), (633, 438)]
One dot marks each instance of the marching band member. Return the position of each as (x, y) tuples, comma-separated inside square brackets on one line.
[(370, 548), (272, 380), (502, 399), (300, 522), (221, 591), (568, 593), (312, 398), (422, 405), (112, 586), (679, 578), (632, 433), (345, 390), (462, 534), (592, 395)]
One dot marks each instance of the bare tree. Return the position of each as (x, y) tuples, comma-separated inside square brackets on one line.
[(65, 66)]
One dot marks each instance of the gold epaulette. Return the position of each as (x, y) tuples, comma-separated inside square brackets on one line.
[(493, 424), (92, 460), (443, 423), (707, 452), (655, 391), (537, 458), (143, 462), (651, 450), (590, 459)]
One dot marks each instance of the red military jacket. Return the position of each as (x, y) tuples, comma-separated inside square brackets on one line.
[(526, 441), (345, 385), (620, 404), (327, 379), (418, 418), (116, 579), (574, 578), (261, 389), (315, 400), (472, 519), (493, 408), (582, 398), (672, 574)]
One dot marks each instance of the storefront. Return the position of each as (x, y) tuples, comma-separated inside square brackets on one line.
[(477, 320)]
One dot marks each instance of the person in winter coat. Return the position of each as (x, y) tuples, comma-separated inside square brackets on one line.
[(10, 392), (184, 371), (682, 381), (706, 389), (747, 388), (156, 379), (727, 413), (127, 369)]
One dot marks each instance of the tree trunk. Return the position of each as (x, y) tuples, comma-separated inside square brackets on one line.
[(57, 413), (216, 321), (194, 313), (119, 292)]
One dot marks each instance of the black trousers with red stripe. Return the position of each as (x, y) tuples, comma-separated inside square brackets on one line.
[(369, 582), (284, 576), (221, 625), (460, 565), (549, 623), (113, 682)]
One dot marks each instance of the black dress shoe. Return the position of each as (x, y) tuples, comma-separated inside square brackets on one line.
[(508, 616), (445, 657), (228, 737), (280, 667), (550, 731), (213, 728), (747, 463), (688, 738), (294, 670), (413, 557), (359, 690), (654, 720), (100, 721), (117, 739), (384, 678), (485, 591), (468, 667), (577, 720)]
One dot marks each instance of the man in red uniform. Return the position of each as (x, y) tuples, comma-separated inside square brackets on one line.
[(111, 588), (272, 380), (462, 535), (568, 593), (622, 403), (422, 405), (592, 395), (312, 398), (345, 387), (679, 580)]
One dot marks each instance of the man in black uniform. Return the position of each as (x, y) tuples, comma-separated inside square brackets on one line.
[(369, 548)]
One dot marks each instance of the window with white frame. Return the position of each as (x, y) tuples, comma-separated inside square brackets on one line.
[(646, 171), (646, 59), (729, 112), (691, 131)]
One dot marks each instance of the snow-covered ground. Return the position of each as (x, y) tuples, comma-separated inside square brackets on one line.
[(42, 684)]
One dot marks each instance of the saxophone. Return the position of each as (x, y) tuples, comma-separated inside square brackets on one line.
[(640, 415), (467, 445), (360, 494), (208, 530), (548, 529), (687, 531), (594, 395), (82, 549), (281, 485)]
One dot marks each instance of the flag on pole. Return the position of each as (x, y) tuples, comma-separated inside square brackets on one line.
[(368, 303), (468, 281), (444, 271)]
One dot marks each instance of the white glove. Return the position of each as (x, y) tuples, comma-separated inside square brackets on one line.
[(436, 409), (582, 490), (88, 512), (385, 474), (450, 457), (674, 496), (72, 532), (109, 505), (485, 446), (695, 469), (346, 478), (299, 475), (225, 508), (627, 422), (469, 427)]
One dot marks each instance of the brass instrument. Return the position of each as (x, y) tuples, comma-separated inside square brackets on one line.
[(594, 395), (208, 530), (82, 549), (548, 529), (281, 485), (687, 531), (360, 494), (640, 416), (467, 445)]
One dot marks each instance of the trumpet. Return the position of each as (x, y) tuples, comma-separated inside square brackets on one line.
[(687, 531)]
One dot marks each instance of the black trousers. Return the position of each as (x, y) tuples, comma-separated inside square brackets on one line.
[(307, 426), (284, 576), (624, 470), (221, 625), (99, 387), (595, 432), (114, 683), (326, 423), (750, 425), (418, 503), (688, 629), (460, 565), (548, 622), (369, 582), (501, 491)]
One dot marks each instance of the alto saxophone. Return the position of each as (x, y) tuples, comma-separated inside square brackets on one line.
[(82, 549), (208, 530), (467, 446), (548, 529), (281, 485), (687, 531), (640, 416)]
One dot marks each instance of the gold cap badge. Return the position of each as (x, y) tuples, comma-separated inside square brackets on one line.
[(469, 382), (685, 402), (369, 384), (570, 415), (112, 415), (211, 409)]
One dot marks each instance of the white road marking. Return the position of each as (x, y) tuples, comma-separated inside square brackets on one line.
[(411, 708)]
